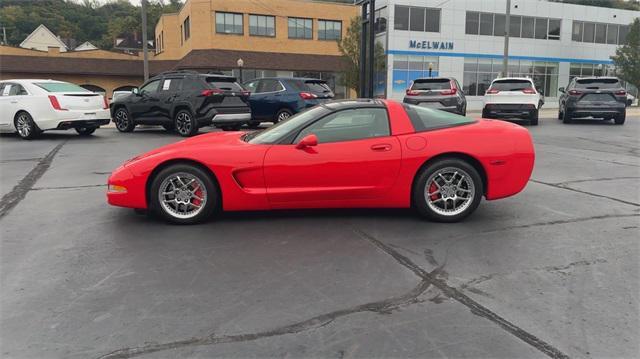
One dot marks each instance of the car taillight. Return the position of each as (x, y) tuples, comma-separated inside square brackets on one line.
[(411, 92), (621, 93), (211, 92), (106, 103), (55, 103), (307, 96), (449, 92), (529, 91), (492, 91), (575, 92)]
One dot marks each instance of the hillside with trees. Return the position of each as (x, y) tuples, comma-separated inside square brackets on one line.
[(88, 20)]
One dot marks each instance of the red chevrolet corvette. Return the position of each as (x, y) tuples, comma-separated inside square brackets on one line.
[(354, 153)]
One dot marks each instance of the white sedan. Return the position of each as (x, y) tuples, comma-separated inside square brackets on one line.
[(32, 106)]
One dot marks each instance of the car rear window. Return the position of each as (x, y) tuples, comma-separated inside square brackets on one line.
[(224, 83), (511, 85), (60, 87), (431, 84), (425, 119), (598, 84), (317, 86)]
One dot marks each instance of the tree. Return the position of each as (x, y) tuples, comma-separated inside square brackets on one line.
[(349, 46), (627, 57), (614, 4)]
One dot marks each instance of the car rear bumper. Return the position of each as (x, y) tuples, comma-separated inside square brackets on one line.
[(65, 125), (435, 104), (596, 111), (509, 110), (62, 120), (231, 118)]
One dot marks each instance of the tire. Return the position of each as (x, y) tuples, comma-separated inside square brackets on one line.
[(566, 116), (123, 121), (560, 114), (619, 119), (282, 115), (25, 126), (485, 113), (185, 124), (169, 200), (169, 127), (85, 131), (253, 125), (533, 118), (434, 178)]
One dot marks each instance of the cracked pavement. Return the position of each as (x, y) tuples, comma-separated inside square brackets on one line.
[(553, 271)]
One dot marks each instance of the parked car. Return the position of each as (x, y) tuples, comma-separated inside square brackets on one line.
[(596, 97), (513, 97), (32, 106), (184, 101), (630, 99), (397, 155), (441, 93), (274, 99)]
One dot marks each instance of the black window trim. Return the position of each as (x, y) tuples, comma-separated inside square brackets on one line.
[(215, 23), (329, 20), (300, 18), (275, 25)]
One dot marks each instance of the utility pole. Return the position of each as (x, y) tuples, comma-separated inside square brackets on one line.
[(4, 35), (507, 25), (145, 55), (367, 47)]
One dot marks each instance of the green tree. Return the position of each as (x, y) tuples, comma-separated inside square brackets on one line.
[(349, 46), (627, 57)]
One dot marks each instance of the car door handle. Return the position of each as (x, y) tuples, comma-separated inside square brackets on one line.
[(381, 147)]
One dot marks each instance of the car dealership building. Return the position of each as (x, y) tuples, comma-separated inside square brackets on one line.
[(549, 42)]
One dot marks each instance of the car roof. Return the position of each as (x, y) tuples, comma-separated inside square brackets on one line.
[(353, 103), (434, 78), (513, 78), (28, 81), (598, 78), (281, 78)]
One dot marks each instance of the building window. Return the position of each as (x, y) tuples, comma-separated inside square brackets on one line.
[(472, 23), (489, 24), (527, 27), (486, 24), (408, 68), (599, 33), (499, 25), (417, 19), (584, 70), (181, 36), (262, 25), (479, 72), (380, 22), (329, 30), (229, 23), (554, 29), (541, 28), (300, 28), (515, 24), (622, 35), (186, 26)]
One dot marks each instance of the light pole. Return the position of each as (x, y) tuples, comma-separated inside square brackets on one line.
[(240, 64), (145, 56), (507, 25)]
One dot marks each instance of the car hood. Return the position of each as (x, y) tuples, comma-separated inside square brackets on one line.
[(208, 140)]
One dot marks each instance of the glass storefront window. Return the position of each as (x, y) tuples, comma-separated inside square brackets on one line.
[(479, 72)]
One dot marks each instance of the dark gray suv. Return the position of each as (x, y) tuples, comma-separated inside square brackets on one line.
[(440, 93), (597, 97)]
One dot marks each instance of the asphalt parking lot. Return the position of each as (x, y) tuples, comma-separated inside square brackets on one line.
[(553, 271)]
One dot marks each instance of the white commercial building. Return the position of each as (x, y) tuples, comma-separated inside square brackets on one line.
[(549, 42)]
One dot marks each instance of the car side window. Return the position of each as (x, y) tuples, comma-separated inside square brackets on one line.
[(17, 90), (349, 125), (251, 86), (2, 89), (151, 87), (269, 86), (6, 89), (171, 84)]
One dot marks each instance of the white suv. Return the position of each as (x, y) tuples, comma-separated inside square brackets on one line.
[(513, 97)]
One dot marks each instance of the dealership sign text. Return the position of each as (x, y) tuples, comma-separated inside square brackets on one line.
[(431, 45)]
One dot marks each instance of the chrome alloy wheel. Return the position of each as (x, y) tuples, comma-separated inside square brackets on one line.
[(183, 123), (23, 125), (283, 116), (449, 191), (122, 119), (182, 195)]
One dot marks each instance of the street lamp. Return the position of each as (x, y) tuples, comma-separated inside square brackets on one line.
[(240, 64)]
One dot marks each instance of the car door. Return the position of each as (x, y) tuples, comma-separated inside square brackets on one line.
[(10, 102), (356, 160), (144, 105), (266, 100), (168, 93)]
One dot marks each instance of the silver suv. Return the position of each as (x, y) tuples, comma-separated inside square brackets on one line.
[(440, 93)]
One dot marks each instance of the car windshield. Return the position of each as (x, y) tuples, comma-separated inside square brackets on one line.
[(431, 84), (317, 86), (511, 85), (224, 83), (60, 87), (597, 84), (280, 130)]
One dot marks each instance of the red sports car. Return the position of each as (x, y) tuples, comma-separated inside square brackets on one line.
[(354, 153)]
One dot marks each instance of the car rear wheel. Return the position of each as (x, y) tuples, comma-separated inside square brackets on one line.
[(185, 124), (183, 194), (26, 127), (619, 119), (566, 116), (85, 131), (447, 190), (283, 115), (253, 125), (124, 122), (533, 118)]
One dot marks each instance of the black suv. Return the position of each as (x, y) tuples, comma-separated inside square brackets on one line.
[(184, 101), (442, 93), (597, 97)]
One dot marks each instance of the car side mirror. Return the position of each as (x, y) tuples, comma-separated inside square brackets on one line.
[(561, 89), (309, 140), (135, 91)]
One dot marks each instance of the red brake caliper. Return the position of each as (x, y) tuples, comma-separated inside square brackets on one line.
[(198, 193), (433, 188)]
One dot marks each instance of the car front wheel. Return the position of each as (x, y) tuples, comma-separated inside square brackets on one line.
[(185, 124), (447, 190), (283, 115), (26, 127), (566, 116), (183, 194), (124, 122)]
